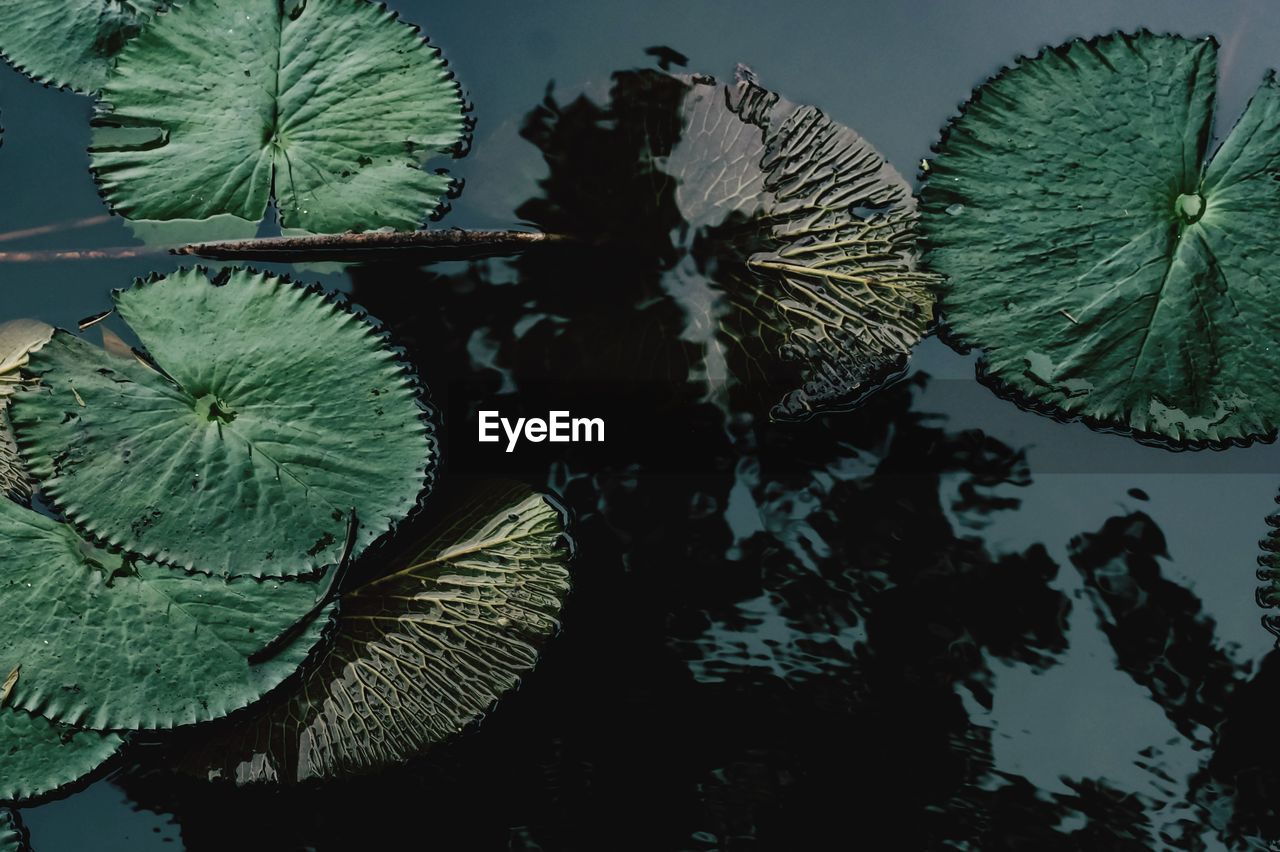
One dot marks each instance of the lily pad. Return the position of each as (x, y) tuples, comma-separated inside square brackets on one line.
[(41, 758), (1107, 267), (420, 653), (329, 105), (273, 414), (13, 838), (70, 43), (810, 236), (106, 642)]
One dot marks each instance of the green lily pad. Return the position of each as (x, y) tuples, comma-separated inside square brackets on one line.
[(810, 237), (13, 838), (106, 642), (1107, 267), (419, 653), (41, 758), (330, 105), (274, 414), (70, 43)]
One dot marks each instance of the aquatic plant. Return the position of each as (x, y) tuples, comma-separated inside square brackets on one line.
[(327, 107), (1104, 263), (419, 652), (43, 757), (70, 44), (272, 410), (12, 836)]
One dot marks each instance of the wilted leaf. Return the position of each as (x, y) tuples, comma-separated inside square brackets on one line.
[(18, 338), (783, 240), (6, 688), (41, 757), (107, 642), (70, 43), (1105, 265), (280, 413), (15, 483), (330, 105), (419, 653), (809, 234), (12, 836)]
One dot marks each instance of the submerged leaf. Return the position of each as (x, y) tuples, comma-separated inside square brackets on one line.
[(1105, 266), (274, 413), (70, 43), (809, 233), (41, 757), (108, 643), (419, 653), (330, 104), (775, 243), (13, 838)]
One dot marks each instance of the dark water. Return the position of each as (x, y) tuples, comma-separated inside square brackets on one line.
[(937, 617)]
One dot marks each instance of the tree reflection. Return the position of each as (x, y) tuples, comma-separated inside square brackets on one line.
[(781, 636)]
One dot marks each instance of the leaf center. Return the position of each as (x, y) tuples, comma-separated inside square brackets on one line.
[(214, 409), (1189, 207)]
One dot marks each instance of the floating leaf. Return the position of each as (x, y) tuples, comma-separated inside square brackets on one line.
[(13, 838), (1104, 265), (419, 653), (330, 104), (810, 234), (277, 413), (70, 43), (111, 643), (41, 758)]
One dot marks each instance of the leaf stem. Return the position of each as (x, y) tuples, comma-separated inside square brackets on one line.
[(442, 244)]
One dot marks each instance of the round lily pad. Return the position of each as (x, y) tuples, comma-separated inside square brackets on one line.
[(330, 106), (70, 43), (104, 641), (41, 757), (1104, 263), (271, 413), (418, 654)]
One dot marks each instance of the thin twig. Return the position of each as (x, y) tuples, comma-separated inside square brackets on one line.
[(443, 244)]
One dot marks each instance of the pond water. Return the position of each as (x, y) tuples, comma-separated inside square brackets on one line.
[(937, 616)]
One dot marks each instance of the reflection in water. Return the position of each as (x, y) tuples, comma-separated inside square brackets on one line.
[(780, 634)]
